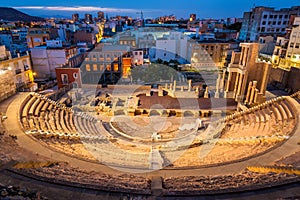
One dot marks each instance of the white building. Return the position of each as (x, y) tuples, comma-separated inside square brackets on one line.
[(171, 46), (266, 20), (137, 57), (46, 59)]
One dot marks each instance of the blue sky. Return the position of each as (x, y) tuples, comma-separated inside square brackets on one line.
[(151, 8)]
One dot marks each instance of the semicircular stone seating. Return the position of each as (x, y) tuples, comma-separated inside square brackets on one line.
[(250, 131), (46, 119), (253, 130)]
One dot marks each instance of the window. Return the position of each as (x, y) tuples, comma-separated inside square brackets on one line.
[(141, 53), (165, 54), (277, 29), (136, 53), (263, 29), (107, 57), (284, 22), (102, 67), (292, 45), (275, 16), (116, 67), (269, 23), (280, 16), (88, 67), (265, 16), (108, 67), (274, 22), (95, 67), (271, 16), (283, 29), (264, 23), (279, 22), (297, 46), (75, 75), (286, 16)]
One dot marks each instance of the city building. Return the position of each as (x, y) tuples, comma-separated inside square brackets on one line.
[(286, 60), (15, 73), (137, 57), (38, 36), (265, 20), (75, 17), (66, 76), (207, 54), (287, 50), (100, 15), (104, 64), (266, 47), (46, 58), (125, 39), (171, 46), (192, 17), (88, 18)]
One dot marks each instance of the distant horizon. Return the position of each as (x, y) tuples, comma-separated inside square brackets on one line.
[(216, 9)]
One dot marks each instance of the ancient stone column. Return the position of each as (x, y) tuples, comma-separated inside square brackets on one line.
[(174, 86), (256, 95), (218, 86), (190, 85), (223, 81), (239, 86), (248, 92), (206, 94), (236, 83), (228, 82), (252, 92)]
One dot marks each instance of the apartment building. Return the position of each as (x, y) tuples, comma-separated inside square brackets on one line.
[(15, 73), (46, 58), (266, 20), (104, 64), (207, 54)]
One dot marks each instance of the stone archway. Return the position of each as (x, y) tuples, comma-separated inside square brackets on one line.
[(154, 113), (188, 114)]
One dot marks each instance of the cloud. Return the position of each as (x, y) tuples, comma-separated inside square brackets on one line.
[(78, 8)]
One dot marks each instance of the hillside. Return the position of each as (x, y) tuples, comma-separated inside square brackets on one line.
[(11, 14)]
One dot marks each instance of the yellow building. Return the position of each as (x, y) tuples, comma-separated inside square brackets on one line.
[(15, 74), (287, 51), (207, 54)]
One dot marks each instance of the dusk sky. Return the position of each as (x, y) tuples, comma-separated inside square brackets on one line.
[(150, 8)]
